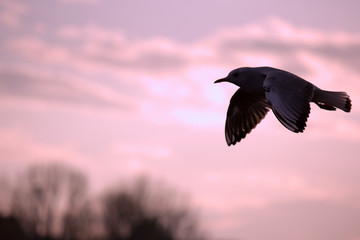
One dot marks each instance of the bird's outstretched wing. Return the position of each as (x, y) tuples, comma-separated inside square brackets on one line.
[(289, 97), (244, 113)]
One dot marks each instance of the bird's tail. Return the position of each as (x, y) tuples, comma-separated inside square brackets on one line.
[(331, 100)]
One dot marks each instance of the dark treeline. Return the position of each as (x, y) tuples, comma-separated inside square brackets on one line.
[(52, 203)]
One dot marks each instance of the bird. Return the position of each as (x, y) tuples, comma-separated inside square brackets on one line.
[(286, 94)]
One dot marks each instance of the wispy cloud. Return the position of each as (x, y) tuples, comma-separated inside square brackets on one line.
[(21, 83), (11, 12), (175, 79)]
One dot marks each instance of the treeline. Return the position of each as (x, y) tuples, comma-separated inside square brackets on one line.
[(52, 203)]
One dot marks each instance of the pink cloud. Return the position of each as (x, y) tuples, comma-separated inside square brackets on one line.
[(21, 82), (11, 12), (175, 79), (275, 29)]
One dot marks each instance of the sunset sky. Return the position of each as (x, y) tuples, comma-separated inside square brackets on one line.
[(119, 89)]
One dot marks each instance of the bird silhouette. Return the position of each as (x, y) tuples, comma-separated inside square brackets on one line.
[(287, 95)]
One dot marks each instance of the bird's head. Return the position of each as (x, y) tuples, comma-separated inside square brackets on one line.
[(238, 76)]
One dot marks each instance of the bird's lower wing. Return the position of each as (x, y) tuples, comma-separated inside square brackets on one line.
[(244, 113), (290, 101)]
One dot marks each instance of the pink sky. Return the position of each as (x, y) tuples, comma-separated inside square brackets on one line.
[(118, 90)]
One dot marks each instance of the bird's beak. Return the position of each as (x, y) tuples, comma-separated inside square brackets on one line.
[(221, 80)]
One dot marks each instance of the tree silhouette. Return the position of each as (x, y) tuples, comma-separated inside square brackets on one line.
[(50, 202), (5, 196), (147, 209), (121, 212), (149, 229), (10, 229)]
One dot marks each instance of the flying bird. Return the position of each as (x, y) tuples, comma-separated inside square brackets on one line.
[(287, 95)]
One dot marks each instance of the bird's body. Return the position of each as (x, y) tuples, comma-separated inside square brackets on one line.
[(288, 96)]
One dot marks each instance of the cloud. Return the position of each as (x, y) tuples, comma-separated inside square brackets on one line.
[(20, 83), (279, 40), (111, 47), (11, 12), (169, 81), (174, 81)]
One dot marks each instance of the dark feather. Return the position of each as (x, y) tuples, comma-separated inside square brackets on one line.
[(244, 113), (291, 106)]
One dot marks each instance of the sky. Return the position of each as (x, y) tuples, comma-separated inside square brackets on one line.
[(119, 89)]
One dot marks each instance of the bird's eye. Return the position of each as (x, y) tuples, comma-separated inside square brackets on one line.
[(235, 74)]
